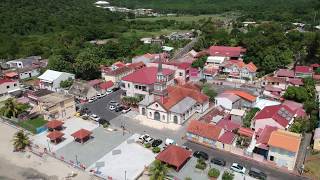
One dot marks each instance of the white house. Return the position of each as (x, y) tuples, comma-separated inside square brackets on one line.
[(216, 60), (228, 101), (24, 62), (51, 79), (27, 72), (8, 86)]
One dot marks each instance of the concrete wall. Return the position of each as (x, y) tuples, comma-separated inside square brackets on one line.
[(64, 110), (282, 158), (9, 87)]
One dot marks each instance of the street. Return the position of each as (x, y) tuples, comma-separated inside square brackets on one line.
[(272, 173)]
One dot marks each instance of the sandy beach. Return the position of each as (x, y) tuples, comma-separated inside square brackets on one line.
[(15, 165)]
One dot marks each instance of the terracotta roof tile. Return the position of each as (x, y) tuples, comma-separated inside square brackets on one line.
[(285, 73), (106, 85), (285, 140), (226, 51), (146, 75), (204, 130), (227, 137), (54, 135), (243, 95), (274, 113), (174, 155), (303, 69)]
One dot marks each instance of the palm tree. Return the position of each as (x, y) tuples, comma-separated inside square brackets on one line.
[(158, 170), (11, 108), (20, 141)]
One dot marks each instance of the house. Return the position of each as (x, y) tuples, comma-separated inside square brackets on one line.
[(82, 90), (147, 58), (228, 101), (116, 75), (203, 133), (35, 95), (56, 106), (104, 86), (175, 156), (280, 116), (214, 115), (8, 86), (27, 72), (296, 82), (13, 75), (226, 141), (277, 82), (237, 115), (226, 51), (273, 92), (24, 62), (141, 82), (51, 79), (316, 139), (303, 71), (247, 100), (284, 148), (262, 137), (228, 125), (216, 60), (117, 65), (209, 72), (284, 73), (237, 69)]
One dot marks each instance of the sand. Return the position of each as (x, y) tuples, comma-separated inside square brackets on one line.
[(16, 165)]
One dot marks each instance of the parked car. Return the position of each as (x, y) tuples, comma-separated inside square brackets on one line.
[(201, 154), (99, 96), (186, 147), (143, 138), (149, 140), (119, 108), (112, 102), (238, 168), (115, 89), (126, 109), (156, 143), (95, 117), (169, 142), (256, 173), (112, 107), (92, 99), (109, 91), (218, 161)]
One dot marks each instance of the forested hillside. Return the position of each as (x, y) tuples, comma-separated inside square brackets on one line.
[(283, 10)]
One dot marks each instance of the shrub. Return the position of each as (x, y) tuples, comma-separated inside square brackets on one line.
[(147, 145), (187, 178), (105, 125), (227, 176), (214, 173), (156, 150), (201, 164)]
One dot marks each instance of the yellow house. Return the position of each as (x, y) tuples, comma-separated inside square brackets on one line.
[(316, 139), (284, 148), (56, 106)]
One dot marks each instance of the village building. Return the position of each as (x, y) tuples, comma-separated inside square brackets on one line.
[(283, 148), (28, 72), (237, 115), (34, 96), (56, 106), (82, 90), (8, 86), (115, 75), (24, 62), (303, 71), (228, 101), (226, 52), (237, 69), (51, 79), (172, 104)]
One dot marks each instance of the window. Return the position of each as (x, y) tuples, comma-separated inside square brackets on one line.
[(8, 87), (271, 158), (180, 74), (157, 105), (128, 85), (14, 84), (136, 86)]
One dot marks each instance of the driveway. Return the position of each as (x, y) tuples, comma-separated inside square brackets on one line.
[(100, 107), (271, 172)]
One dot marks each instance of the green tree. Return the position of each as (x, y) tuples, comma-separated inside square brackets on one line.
[(209, 91), (158, 170), (11, 108), (20, 141), (87, 65), (66, 83), (199, 63), (298, 94), (227, 175), (214, 173)]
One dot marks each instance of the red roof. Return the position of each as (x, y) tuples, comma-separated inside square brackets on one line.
[(277, 112), (136, 66), (106, 85), (285, 73), (94, 82), (315, 65), (272, 89), (227, 137), (303, 69), (11, 74), (243, 95), (54, 124), (146, 75), (264, 135), (81, 134), (177, 93), (54, 135), (5, 81), (228, 125), (119, 64), (226, 51), (245, 131), (296, 81), (204, 130), (174, 155)]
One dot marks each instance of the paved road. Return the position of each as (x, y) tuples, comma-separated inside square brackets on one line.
[(100, 107), (272, 173)]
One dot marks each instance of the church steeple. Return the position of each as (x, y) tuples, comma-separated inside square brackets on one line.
[(160, 86)]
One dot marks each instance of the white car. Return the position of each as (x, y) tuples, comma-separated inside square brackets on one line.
[(95, 117), (109, 91), (149, 140), (238, 168), (169, 142), (112, 107), (99, 95), (92, 99)]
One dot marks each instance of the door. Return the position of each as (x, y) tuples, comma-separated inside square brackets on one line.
[(175, 119), (143, 111), (157, 116)]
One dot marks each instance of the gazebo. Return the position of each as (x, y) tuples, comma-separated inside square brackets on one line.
[(55, 125), (175, 156), (81, 135), (55, 136)]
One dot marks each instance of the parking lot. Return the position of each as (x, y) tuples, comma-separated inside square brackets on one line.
[(89, 152)]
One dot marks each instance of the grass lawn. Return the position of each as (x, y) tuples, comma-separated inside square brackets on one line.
[(32, 124), (312, 166)]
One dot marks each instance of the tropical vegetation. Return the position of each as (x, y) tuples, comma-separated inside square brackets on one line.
[(213, 172), (20, 141), (227, 175), (12, 108), (158, 170)]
